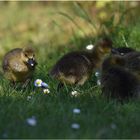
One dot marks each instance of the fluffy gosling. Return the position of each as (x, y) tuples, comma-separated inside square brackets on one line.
[(76, 67), (19, 64), (117, 81)]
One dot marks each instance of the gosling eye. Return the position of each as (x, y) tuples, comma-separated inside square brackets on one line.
[(26, 55)]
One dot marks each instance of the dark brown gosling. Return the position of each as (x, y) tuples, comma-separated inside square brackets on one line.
[(76, 67), (117, 81), (19, 64)]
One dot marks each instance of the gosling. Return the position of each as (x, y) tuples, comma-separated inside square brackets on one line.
[(76, 67), (19, 64), (117, 81)]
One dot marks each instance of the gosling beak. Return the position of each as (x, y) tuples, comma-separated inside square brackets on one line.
[(31, 62), (114, 51)]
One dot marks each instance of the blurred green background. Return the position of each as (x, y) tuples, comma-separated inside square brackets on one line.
[(49, 24)]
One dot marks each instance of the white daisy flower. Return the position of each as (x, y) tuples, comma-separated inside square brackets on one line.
[(76, 111), (46, 91), (113, 126), (5, 135), (29, 98), (90, 47), (31, 121), (38, 83), (74, 93), (98, 82), (75, 126)]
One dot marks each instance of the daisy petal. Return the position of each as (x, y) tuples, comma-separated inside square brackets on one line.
[(75, 126), (38, 82), (31, 121), (76, 111), (43, 84)]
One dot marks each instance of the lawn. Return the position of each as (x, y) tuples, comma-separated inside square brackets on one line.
[(52, 113)]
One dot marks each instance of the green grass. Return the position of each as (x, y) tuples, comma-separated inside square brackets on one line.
[(54, 114), (99, 118)]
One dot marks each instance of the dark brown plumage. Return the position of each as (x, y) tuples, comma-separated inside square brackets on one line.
[(133, 62), (117, 81), (76, 67), (131, 57), (19, 64)]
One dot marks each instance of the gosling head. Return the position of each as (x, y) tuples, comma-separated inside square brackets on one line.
[(28, 57), (122, 50), (104, 45)]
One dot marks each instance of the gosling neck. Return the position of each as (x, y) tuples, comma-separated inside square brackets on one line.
[(98, 56), (98, 53)]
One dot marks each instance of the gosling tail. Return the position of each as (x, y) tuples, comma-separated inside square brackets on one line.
[(54, 73)]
